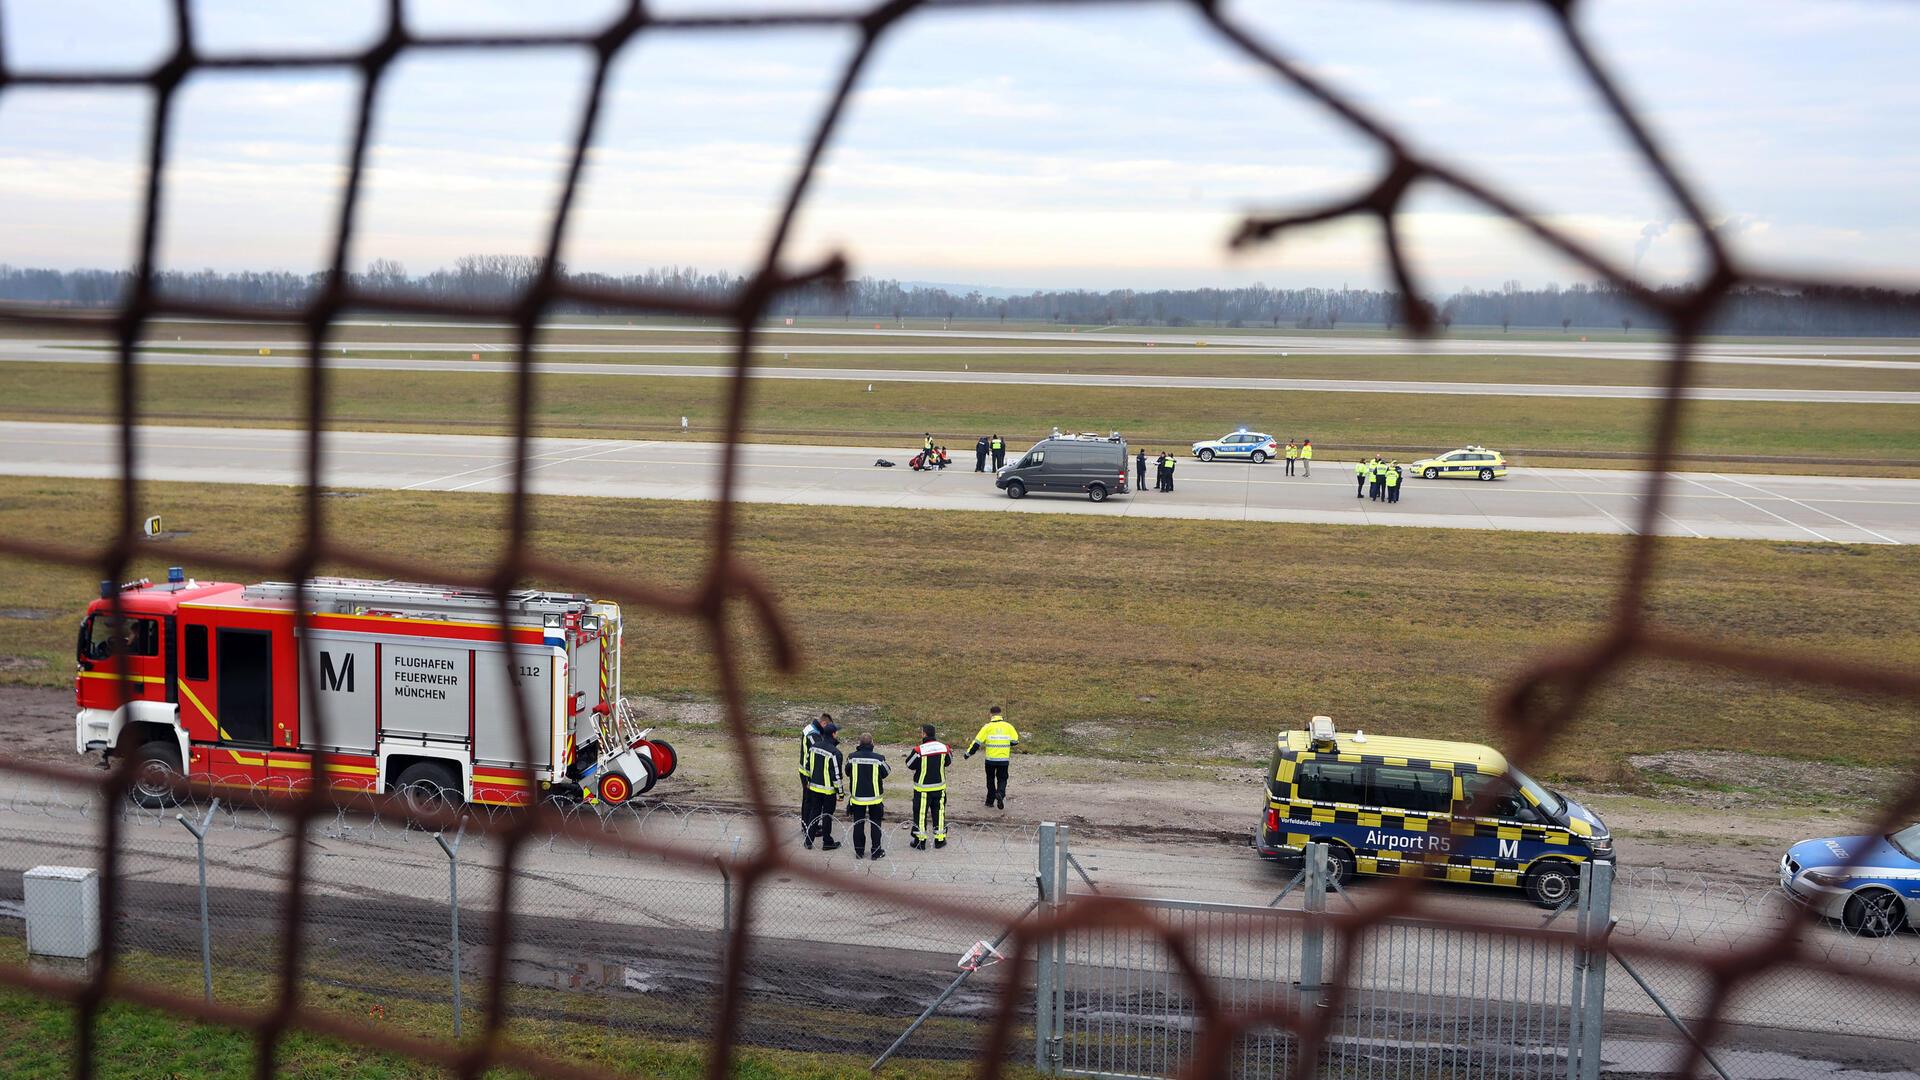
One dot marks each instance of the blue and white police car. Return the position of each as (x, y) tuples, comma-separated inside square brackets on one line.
[(1871, 884), (1242, 445)]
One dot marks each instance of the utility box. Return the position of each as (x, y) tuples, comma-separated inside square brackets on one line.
[(63, 911)]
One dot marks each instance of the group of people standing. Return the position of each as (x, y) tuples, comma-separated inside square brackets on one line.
[(989, 446), (1378, 480), (1163, 466), (1299, 453), (827, 776)]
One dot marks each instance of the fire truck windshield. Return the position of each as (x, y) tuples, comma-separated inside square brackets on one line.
[(99, 639)]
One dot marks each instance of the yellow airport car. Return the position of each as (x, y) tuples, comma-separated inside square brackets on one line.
[(1451, 811), (1476, 462)]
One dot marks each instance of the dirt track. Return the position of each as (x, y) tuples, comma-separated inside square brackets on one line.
[(1184, 808)]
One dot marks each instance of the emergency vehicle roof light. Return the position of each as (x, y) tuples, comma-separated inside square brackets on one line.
[(176, 574), (1320, 731)]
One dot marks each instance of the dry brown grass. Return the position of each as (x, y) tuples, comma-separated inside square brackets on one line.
[(1136, 639)]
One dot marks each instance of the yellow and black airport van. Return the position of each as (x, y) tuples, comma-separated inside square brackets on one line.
[(1393, 806)]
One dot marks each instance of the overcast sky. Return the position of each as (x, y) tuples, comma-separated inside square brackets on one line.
[(1046, 148)]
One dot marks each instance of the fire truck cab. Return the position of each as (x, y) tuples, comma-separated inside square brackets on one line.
[(414, 688)]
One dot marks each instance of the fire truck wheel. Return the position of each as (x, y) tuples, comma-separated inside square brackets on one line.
[(155, 764), (665, 757), (427, 785)]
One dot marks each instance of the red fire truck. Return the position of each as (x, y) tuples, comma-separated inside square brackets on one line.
[(414, 687)]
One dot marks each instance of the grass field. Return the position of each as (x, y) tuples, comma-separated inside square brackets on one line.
[(1131, 639), (1360, 368), (137, 1043), (798, 411)]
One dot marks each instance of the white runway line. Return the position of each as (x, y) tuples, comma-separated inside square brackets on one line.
[(440, 479), (1777, 495), (618, 444), (1727, 494)]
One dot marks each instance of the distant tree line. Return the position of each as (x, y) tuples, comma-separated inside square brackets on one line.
[(491, 280)]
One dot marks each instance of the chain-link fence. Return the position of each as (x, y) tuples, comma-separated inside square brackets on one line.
[(1539, 706), (605, 943)]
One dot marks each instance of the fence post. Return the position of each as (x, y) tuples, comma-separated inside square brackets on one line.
[(1313, 937), (1043, 973), (1063, 846), (453, 898), (1598, 928), (1576, 990), (206, 927)]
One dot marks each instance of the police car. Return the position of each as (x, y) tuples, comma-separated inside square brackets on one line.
[(1475, 461), (1871, 884), (1243, 444), (1451, 811)]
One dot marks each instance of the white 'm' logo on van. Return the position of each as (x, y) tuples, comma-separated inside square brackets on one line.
[(1509, 849)]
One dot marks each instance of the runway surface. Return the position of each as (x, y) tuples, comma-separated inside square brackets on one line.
[(63, 353), (1814, 352), (1753, 507)]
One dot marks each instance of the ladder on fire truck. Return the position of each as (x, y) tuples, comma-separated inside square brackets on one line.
[(345, 596)]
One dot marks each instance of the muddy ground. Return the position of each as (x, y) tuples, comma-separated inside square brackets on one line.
[(1721, 814)]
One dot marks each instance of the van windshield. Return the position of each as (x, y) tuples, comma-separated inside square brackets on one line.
[(1552, 803)]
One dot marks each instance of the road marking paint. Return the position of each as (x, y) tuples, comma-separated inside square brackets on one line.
[(605, 448), (1764, 510), (463, 472), (1817, 510), (1630, 530)]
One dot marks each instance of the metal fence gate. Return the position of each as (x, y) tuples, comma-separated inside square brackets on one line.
[(1416, 999)]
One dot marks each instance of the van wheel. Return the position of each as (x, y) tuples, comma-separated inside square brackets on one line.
[(1873, 913), (1259, 456), (1486, 474), (1206, 455), (1552, 885), (428, 787), (156, 765), (1429, 474), (1340, 865), (1097, 492), (1016, 490)]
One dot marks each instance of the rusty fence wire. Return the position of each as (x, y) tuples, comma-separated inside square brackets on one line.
[(1535, 709)]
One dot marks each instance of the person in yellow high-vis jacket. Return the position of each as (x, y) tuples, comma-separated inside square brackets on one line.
[(997, 738)]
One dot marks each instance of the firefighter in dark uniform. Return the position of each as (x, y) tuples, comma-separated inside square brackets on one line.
[(823, 789), (1140, 470), (980, 455), (814, 727), (929, 763), (866, 796)]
